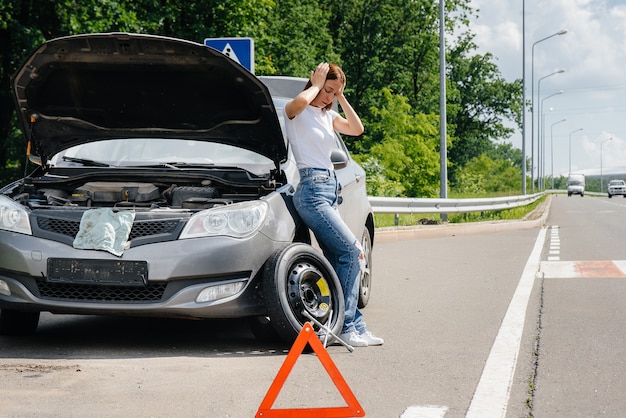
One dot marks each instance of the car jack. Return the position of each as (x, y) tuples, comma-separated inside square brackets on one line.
[(328, 331)]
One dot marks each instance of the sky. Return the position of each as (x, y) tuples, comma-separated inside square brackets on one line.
[(590, 94)]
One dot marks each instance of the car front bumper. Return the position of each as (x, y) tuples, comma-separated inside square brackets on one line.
[(178, 270)]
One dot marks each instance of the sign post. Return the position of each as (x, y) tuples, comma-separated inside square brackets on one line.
[(240, 50)]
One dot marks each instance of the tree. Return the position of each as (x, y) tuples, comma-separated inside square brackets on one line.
[(483, 175), (297, 39), (406, 147), (394, 44), (480, 101)]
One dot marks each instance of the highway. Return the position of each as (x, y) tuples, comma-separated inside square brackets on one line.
[(489, 321)]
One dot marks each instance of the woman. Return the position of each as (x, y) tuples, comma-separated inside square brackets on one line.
[(310, 123)]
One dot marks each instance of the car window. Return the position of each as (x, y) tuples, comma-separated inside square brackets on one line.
[(150, 151)]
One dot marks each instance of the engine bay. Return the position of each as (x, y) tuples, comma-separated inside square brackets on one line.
[(173, 193)]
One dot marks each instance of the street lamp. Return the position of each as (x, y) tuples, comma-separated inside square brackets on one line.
[(570, 150), (601, 177), (532, 98), (552, 150), (559, 71), (542, 141), (524, 97)]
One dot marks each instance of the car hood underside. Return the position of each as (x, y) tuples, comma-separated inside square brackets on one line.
[(84, 88)]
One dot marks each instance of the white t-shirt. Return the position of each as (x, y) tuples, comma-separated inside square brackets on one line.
[(312, 137)]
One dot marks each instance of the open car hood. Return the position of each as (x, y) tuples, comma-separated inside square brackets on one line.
[(86, 88)]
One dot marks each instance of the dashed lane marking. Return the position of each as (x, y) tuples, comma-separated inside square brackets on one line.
[(555, 244)]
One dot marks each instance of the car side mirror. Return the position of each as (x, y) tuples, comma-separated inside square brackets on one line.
[(339, 159)]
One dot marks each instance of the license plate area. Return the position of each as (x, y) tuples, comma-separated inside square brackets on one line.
[(99, 272)]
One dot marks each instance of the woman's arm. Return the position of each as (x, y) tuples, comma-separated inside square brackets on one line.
[(351, 124), (296, 105)]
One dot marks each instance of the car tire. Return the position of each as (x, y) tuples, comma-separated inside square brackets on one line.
[(365, 285), (18, 322), (298, 278)]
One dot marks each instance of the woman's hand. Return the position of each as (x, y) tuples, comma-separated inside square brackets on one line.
[(318, 76), (339, 93)]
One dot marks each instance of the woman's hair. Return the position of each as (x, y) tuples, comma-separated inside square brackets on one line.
[(334, 73)]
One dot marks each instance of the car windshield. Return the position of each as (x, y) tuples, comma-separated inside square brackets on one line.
[(143, 152)]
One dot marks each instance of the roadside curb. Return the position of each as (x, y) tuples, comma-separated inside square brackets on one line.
[(535, 219)]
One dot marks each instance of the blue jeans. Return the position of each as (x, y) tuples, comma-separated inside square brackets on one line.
[(315, 200)]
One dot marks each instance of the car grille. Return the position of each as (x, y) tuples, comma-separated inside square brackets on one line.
[(92, 293), (165, 228)]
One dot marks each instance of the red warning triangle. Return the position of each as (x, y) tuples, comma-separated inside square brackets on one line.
[(307, 335)]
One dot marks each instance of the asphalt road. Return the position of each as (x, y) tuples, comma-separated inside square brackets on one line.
[(472, 320)]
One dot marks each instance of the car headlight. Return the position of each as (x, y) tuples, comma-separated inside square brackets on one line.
[(13, 217), (237, 220)]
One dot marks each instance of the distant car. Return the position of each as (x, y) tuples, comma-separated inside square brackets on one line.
[(616, 187), (576, 184), (163, 188)]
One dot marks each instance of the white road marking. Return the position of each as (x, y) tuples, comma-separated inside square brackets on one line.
[(494, 388), (555, 269), (555, 244), (424, 412)]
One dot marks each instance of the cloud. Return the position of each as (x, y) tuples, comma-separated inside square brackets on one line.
[(593, 54)]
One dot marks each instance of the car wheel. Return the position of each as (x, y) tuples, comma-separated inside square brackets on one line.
[(299, 279), (18, 322), (610, 196), (365, 285)]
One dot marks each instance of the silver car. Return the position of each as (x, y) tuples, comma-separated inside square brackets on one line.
[(162, 187)]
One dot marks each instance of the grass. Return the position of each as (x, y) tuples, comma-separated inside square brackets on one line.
[(411, 219)]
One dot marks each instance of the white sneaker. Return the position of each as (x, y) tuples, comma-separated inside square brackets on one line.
[(371, 339), (354, 339)]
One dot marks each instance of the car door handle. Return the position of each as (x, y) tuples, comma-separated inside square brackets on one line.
[(358, 177)]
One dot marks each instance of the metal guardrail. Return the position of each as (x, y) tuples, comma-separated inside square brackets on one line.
[(422, 205)]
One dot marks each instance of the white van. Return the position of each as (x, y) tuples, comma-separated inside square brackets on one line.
[(576, 184)]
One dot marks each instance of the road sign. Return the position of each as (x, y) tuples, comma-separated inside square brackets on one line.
[(240, 50)]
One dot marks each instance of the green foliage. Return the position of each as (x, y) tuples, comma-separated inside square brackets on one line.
[(486, 175), (297, 40), (377, 182), (479, 102), (405, 145)]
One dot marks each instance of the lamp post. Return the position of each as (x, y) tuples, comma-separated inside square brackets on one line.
[(532, 99), (570, 150), (524, 97), (542, 141), (552, 150), (601, 176), (561, 70)]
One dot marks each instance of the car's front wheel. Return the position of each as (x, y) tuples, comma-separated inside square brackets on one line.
[(18, 322), (300, 282)]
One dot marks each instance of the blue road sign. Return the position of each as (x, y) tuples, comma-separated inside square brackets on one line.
[(240, 50)]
